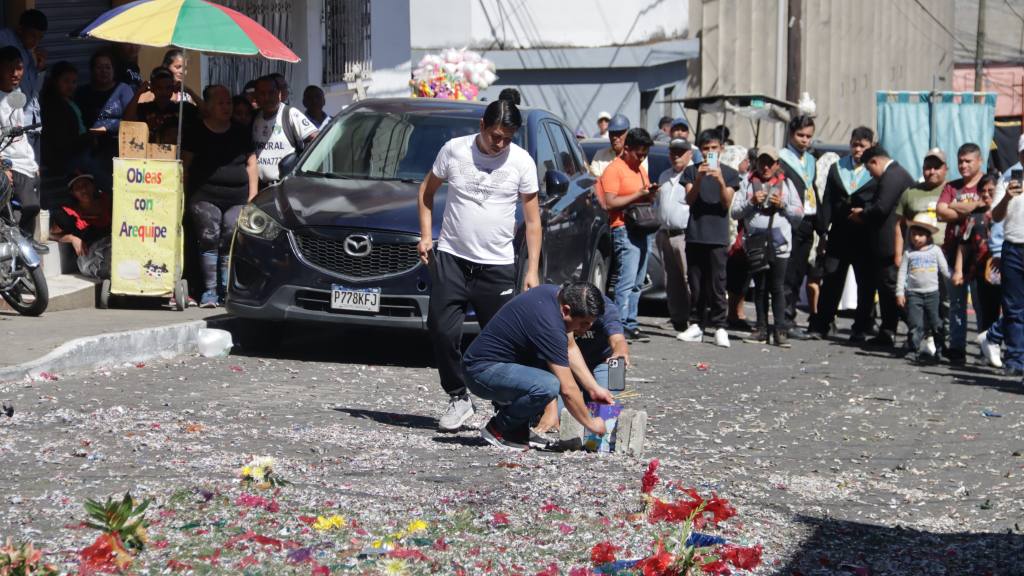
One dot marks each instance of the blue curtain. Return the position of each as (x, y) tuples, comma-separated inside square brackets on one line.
[(905, 121), (957, 123), (904, 127)]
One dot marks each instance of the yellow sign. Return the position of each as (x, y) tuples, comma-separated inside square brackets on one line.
[(147, 240)]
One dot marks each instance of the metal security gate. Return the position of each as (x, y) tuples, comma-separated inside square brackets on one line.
[(235, 71), (65, 17), (346, 35)]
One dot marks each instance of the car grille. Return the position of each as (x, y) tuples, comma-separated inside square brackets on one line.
[(385, 259)]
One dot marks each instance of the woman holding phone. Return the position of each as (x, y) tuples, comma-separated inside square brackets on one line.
[(1008, 208)]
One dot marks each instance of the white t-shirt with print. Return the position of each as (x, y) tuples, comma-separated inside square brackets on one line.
[(272, 143), (483, 192), (20, 153)]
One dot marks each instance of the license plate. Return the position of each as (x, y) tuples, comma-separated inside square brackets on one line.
[(357, 299)]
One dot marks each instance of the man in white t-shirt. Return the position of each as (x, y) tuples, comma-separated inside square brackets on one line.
[(474, 261), (617, 129), (24, 173), (1008, 208), (274, 135)]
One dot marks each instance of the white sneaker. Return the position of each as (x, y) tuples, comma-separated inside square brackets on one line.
[(989, 351), (460, 409), (721, 338), (693, 333), (928, 346)]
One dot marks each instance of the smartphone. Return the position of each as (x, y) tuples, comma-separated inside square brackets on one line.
[(1017, 175), (712, 160), (616, 374)]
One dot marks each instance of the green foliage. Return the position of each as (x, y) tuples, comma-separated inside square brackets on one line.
[(122, 517)]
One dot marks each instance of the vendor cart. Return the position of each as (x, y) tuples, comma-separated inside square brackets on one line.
[(147, 243)]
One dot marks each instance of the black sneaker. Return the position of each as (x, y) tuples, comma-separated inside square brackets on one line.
[(858, 338), (739, 325), (781, 339), (758, 336), (1013, 371), (800, 334), (956, 357), (540, 441), (635, 335), (512, 440), (883, 340)]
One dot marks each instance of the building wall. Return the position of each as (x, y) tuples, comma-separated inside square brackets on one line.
[(575, 58), (503, 25), (849, 50)]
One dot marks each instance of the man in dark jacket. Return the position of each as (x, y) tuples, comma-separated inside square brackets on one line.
[(879, 218), (849, 185)]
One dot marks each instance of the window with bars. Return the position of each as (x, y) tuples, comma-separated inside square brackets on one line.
[(346, 37), (235, 71)]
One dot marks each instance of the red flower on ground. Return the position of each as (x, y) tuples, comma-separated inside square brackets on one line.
[(744, 558), (603, 553), (551, 570), (719, 508), (499, 519), (408, 554), (106, 555), (716, 568), (650, 479), (672, 512), (321, 570), (657, 564)]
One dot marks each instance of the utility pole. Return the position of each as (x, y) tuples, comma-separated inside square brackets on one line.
[(979, 48), (793, 39)]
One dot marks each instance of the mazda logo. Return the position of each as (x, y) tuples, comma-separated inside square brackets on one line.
[(358, 245)]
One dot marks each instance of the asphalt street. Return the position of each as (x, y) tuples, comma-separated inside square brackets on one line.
[(840, 460)]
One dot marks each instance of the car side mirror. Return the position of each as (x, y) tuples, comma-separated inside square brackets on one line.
[(556, 183), (287, 164)]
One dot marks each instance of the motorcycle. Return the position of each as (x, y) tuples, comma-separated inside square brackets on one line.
[(22, 284)]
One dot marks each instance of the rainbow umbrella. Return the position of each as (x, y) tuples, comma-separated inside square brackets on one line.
[(190, 24)]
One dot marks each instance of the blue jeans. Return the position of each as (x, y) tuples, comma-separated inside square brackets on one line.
[(958, 313), (631, 250), (1013, 305), (600, 374), (520, 392)]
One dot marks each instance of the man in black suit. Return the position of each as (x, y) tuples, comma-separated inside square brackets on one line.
[(849, 185), (879, 218)]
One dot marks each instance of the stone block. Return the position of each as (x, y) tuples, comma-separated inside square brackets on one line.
[(629, 432), (570, 432)]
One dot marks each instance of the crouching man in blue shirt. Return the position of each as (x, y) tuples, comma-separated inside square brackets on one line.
[(538, 326)]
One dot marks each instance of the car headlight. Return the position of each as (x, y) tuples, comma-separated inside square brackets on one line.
[(256, 222)]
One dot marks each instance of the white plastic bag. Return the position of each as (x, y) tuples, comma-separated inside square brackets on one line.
[(214, 342)]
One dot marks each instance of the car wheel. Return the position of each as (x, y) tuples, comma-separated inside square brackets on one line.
[(599, 266)]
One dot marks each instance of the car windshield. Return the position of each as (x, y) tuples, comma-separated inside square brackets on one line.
[(369, 144)]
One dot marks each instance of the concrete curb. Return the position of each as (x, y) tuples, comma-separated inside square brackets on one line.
[(111, 349)]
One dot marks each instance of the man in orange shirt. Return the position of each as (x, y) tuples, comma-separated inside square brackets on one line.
[(625, 182)]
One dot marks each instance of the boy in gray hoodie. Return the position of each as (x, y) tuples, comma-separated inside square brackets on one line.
[(768, 207)]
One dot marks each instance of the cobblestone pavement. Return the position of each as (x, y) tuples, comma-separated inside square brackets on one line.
[(839, 460)]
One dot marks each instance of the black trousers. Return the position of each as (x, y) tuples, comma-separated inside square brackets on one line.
[(706, 272), (769, 293), (836, 268), (457, 284), (796, 270), (26, 191), (881, 271)]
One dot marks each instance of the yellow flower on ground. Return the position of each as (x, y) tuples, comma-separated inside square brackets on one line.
[(246, 471), (395, 567), (330, 523), (416, 526)]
